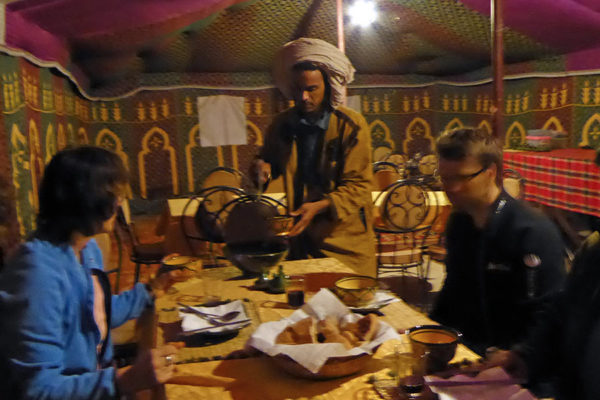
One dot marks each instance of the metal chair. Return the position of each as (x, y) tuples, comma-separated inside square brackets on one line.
[(407, 211), (206, 226)]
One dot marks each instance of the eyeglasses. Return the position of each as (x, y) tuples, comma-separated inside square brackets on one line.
[(450, 180)]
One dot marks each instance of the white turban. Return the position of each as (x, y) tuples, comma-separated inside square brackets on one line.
[(337, 66)]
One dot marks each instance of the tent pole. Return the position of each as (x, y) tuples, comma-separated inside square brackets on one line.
[(340, 25), (497, 25)]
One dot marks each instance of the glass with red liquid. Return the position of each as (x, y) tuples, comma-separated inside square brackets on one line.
[(410, 369), (294, 289)]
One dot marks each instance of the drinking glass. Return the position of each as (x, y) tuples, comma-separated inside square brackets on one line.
[(294, 289), (410, 369)]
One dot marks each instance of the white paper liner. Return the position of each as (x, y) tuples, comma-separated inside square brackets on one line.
[(192, 322), (312, 356)]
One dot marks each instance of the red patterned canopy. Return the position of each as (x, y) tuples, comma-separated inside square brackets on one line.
[(110, 47)]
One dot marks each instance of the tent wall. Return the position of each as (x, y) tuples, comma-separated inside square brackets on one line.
[(155, 132)]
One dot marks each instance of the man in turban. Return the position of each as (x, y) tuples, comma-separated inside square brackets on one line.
[(323, 152)]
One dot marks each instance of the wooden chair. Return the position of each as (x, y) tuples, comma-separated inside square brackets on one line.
[(385, 173), (513, 183), (141, 253), (104, 243)]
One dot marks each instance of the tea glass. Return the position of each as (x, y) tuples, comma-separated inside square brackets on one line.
[(294, 289), (410, 369)]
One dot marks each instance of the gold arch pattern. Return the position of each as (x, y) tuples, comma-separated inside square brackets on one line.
[(146, 150), (82, 137), (36, 162), (553, 122), (50, 143), (413, 128), (109, 140), (19, 163), (70, 134), (379, 140), (454, 124), (590, 135), (255, 129), (485, 124), (234, 157), (515, 133), (193, 141), (61, 138)]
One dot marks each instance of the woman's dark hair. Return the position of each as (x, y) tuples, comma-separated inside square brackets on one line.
[(79, 191)]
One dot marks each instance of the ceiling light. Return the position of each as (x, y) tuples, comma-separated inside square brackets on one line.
[(363, 13)]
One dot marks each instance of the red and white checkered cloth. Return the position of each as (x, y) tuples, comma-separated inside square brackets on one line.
[(565, 178)]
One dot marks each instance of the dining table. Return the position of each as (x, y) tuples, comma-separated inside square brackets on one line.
[(233, 372)]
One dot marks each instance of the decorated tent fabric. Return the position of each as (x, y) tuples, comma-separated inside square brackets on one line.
[(155, 132), (110, 48)]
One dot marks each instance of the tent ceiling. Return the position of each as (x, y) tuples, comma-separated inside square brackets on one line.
[(108, 44)]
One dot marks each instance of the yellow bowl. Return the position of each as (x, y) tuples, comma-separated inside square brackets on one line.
[(356, 291), (437, 342)]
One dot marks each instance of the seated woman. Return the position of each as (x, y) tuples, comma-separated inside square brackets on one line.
[(56, 309)]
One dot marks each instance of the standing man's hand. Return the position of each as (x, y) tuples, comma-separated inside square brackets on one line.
[(261, 172), (307, 212)]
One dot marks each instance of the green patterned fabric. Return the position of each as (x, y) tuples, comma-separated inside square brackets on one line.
[(156, 132)]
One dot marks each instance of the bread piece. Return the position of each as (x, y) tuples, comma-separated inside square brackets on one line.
[(338, 338), (351, 337), (304, 331), (351, 327), (367, 327), (328, 326), (286, 337)]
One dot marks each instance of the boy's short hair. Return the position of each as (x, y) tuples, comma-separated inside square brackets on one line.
[(457, 144)]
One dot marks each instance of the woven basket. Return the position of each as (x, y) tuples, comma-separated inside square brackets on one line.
[(335, 367)]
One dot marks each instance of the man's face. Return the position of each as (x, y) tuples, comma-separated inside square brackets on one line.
[(309, 91), (466, 182)]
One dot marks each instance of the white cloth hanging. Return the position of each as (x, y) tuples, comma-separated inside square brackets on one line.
[(222, 121)]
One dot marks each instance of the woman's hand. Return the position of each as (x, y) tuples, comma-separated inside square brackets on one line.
[(165, 278), (150, 368)]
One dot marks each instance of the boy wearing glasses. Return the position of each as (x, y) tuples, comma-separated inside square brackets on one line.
[(504, 260)]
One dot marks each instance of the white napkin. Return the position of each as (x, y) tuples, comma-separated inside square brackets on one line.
[(192, 322), (481, 392), (313, 356), (380, 299)]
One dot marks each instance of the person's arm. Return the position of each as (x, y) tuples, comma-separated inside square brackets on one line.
[(354, 191), (444, 304), (546, 280), (32, 339), (546, 299), (130, 304)]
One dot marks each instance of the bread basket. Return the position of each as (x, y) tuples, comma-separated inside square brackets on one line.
[(335, 367)]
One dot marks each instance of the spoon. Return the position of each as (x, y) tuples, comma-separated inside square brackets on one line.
[(212, 318)]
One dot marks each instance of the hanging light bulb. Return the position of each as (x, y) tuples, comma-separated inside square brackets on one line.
[(362, 13)]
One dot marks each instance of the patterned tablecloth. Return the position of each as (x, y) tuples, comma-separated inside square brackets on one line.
[(257, 378), (565, 178)]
